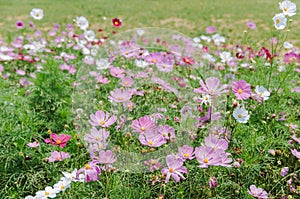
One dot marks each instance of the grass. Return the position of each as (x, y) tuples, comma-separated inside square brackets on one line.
[(25, 118)]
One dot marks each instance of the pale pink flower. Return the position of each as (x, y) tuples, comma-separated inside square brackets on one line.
[(174, 169), (103, 119), (152, 139), (257, 192), (33, 144), (58, 156), (211, 87), (143, 125), (186, 152), (119, 95)]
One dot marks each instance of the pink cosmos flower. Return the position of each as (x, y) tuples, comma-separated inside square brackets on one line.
[(215, 143), (152, 139), (60, 140), (213, 183), (174, 169), (296, 153), (58, 156), (251, 25), (154, 57), (20, 24), (117, 72), (100, 118), (127, 81), (96, 136), (154, 164), (186, 152), (296, 139), (210, 29), (106, 158), (33, 144), (241, 89), (143, 125), (101, 79), (207, 156), (119, 95), (91, 172), (284, 171), (257, 192), (166, 131), (211, 87)]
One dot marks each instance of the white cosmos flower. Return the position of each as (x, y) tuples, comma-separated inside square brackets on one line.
[(140, 32), (279, 21), (37, 13), (262, 92), (61, 185), (288, 8), (89, 35), (102, 63), (287, 45), (225, 56), (205, 38), (241, 115), (29, 197), (49, 192), (82, 22), (197, 40), (218, 39), (206, 99), (141, 63)]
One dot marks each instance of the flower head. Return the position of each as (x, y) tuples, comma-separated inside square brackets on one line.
[(251, 25), (211, 87), (143, 125), (103, 119), (279, 21), (119, 95), (91, 172), (60, 140), (20, 24), (257, 192), (37, 13), (288, 8), (116, 22), (82, 22), (241, 115), (174, 169), (58, 156), (241, 89)]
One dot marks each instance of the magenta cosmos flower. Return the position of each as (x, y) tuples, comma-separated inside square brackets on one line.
[(143, 125), (257, 192), (211, 87), (119, 95), (174, 169), (20, 24), (241, 89), (58, 156), (100, 118), (251, 25), (116, 22), (60, 140)]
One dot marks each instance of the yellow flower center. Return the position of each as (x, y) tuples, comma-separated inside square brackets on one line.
[(285, 9), (205, 160), (171, 170), (153, 162), (102, 122), (186, 155), (126, 83), (240, 91), (47, 193), (116, 23), (62, 187), (240, 115), (37, 14), (154, 60), (120, 98), (143, 128), (260, 94), (164, 135), (58, 141), (87, 166), (277, 20), (97, 138), (58, 158), (150, 143)]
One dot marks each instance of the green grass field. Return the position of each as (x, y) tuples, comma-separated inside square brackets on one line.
[(189, 17)]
